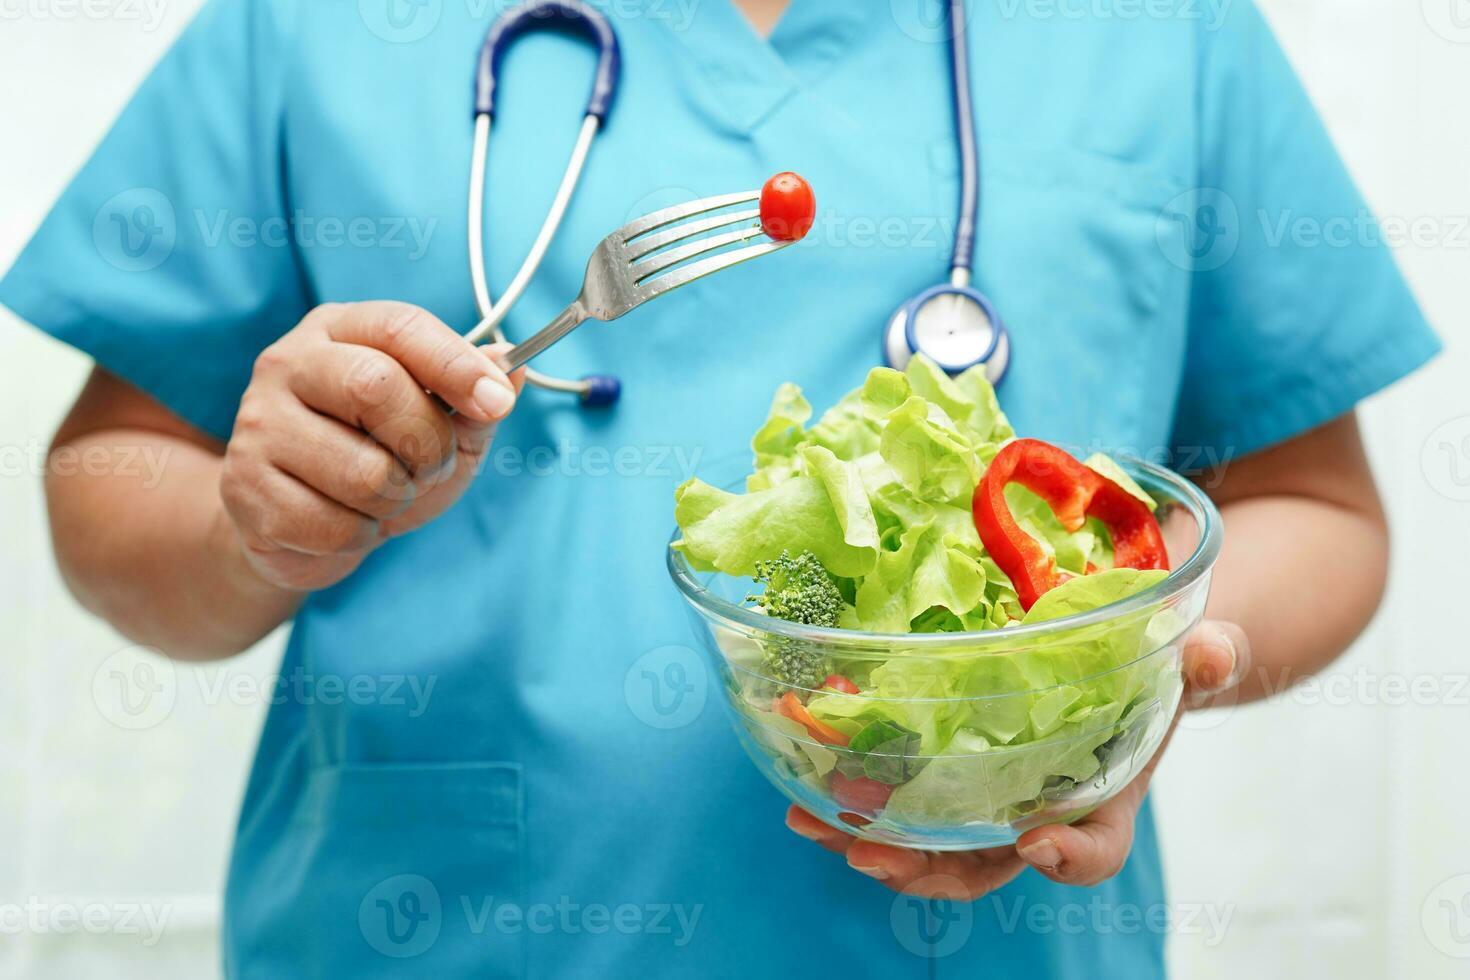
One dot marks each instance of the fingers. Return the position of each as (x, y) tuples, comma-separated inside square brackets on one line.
[(277, 512), (896, 867), (347, 466), (368, 390), (1216, 656), (437, 357), (1089, 851), (805, 825), (474, 436), (960, 875), (339, 442), (497, 352)]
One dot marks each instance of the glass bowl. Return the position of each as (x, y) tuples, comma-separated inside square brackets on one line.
[(986, 734)]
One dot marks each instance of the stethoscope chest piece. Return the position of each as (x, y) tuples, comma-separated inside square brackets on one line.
[(955, 326)]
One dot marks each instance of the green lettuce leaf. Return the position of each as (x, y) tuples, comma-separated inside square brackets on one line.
[(933, 458), (730, 532), (1092, 592), (1108, 467), (924, 573), (996, 731), (776, 442), (968, 399)]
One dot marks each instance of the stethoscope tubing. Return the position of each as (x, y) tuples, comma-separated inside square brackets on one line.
[(963, 259), (534, 13), (493, 313)]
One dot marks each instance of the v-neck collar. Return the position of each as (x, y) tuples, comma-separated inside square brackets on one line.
[(751, 76)]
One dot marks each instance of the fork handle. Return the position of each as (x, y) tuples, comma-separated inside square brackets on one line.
[(565, 322)]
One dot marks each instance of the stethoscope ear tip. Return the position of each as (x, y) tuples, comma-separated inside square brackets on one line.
[(601, 391)]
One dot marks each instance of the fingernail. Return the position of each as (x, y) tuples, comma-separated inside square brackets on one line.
[(1043, 854), (493, 398), (880, 873), (1212, 679), (1234, 660)]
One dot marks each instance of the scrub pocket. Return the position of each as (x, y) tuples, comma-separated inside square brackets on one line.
[(392, 871)]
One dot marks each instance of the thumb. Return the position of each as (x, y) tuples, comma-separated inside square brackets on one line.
[(1216, 656), (496, 353)]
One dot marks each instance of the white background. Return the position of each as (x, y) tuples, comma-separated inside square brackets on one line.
[(1327, 829)]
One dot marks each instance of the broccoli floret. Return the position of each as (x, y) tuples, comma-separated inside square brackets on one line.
[(798, 589), (802, 591), (795, 663)]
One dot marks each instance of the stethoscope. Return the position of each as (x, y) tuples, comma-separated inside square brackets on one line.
[(953, 323), (594, 390)]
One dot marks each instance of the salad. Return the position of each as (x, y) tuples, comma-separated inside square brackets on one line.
[(911, 507)]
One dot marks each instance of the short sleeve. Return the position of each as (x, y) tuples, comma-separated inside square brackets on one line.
[(167, 258), (1297, 309)]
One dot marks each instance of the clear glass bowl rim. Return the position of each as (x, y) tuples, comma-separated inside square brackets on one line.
[(1150, 475)]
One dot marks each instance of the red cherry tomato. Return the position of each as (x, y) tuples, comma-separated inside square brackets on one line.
[(839, 683), (788, 207), (862, 794)]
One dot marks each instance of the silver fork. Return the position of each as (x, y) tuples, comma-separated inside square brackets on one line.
[(624, 271)]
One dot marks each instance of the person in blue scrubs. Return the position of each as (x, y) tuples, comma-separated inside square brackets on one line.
[(464, 774)]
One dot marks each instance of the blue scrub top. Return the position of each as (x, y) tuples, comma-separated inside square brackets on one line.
[(469, 771)]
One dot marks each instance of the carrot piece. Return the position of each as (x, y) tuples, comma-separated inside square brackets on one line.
[(788, 705)]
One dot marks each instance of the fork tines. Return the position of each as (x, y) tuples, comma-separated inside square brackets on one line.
[(646, 242)]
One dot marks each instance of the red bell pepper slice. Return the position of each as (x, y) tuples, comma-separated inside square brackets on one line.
[(1074, 492), (866, 796)]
